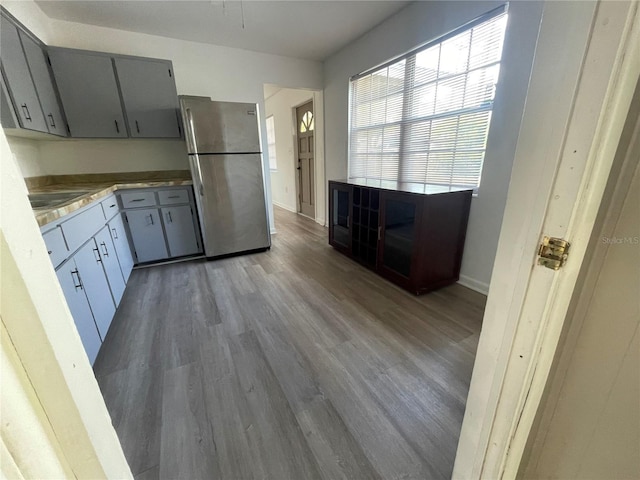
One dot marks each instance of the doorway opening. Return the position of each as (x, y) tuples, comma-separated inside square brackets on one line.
[(296, 158)]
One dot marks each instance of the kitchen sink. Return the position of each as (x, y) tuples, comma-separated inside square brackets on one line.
[(53, 199)]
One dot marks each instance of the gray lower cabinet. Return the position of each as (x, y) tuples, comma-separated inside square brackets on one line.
[(181, 236), (73, 290), (168, 230), (119, 237), (89, 93), (91, 254), (44, 86), (146, 234), (149, 97), (110, 264), (18, 78), (89, 263)]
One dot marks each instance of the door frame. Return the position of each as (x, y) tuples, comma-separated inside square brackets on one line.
[(559, 176), (294, 114)]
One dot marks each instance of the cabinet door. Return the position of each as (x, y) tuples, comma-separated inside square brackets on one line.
[(18, 76), (150, 98), (89, 93), (89, 263), (146, 234), (398, 235), (181, 235), (121, 244), (340, 217), (110, 264), (44, 86), (8, 117), (73, 289)]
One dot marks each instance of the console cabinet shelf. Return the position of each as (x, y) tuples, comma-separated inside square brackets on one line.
[(413, 239)]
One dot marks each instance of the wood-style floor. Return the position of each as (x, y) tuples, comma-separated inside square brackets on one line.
[(293, 364)]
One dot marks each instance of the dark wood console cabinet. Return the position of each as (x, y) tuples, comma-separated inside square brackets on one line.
[(412, 236)]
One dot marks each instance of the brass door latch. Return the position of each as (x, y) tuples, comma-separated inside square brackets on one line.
[(553, 252)]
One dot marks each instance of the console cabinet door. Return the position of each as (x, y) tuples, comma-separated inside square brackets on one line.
[(399, 231), (146, 234), (73, 289), (340, 200), (89, 263), (110, 264), (89, 93), (18, 76), (44, 86), (121, 244), (149, 96), (181, 235)]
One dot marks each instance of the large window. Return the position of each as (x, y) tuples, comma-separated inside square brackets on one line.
[(424, 119), (271, 141)]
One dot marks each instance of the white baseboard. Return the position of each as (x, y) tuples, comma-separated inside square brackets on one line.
[(273, 231), (473, 284), (285, 207), (321, 221)]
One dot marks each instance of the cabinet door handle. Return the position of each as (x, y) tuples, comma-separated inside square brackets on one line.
[(379, 233), (105, 252), (25, 110), (115, 233), (137, 126), (137, 200), (169, 215), (79, 285), (151, 218), (98, 258), (117, 127), (173, 196), (112, 205), (52, 123)]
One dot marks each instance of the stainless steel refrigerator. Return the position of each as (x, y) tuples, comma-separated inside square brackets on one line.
[(223, 142)]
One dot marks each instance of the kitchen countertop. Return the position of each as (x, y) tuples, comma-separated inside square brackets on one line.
[(95, 187)]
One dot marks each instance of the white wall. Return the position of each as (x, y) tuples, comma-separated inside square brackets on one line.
[(54, 416), (91, 156), (221, 73), (416, 24), (283, 180), (26, 153)]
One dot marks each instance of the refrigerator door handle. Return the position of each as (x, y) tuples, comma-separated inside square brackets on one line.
[(195, 167)]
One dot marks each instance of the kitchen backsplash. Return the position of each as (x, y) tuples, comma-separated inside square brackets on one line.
[(65, 157)]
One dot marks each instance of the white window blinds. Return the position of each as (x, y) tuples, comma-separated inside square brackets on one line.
[(424, 119), (271, 141)]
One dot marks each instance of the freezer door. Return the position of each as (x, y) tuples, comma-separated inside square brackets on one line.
[(220, 127), (231, 203)]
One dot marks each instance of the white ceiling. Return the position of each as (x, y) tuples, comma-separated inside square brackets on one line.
[(304, 29)]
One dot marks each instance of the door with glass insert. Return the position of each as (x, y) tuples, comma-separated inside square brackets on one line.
[(340, 216), (398, 235)]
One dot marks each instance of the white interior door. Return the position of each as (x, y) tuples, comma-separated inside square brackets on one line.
[(569, 135)]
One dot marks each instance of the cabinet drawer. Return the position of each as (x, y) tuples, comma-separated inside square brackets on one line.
[(171, 197), (56, 246), (110, 207), (83, 226), (137, 199)]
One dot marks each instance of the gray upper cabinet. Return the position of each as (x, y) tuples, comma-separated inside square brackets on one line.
[(44, 85), (18, 78), (89, 93), (149, 97), (8, 117)]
